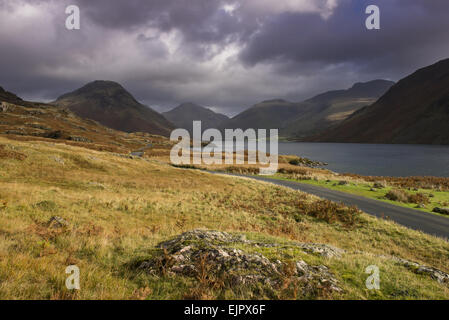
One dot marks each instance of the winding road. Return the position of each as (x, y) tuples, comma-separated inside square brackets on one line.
[(414, 219)]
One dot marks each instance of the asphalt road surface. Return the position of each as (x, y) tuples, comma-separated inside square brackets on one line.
[(414, 219)]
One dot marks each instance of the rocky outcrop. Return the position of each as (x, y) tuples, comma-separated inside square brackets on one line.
[(80, 139), (323, 250), (219, 253), (434, 273)]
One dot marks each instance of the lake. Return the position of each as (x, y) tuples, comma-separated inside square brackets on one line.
[(375, 159)]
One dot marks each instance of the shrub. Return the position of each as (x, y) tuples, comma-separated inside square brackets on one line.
[(299, 171), (418, 198), (433, 183), (397, 195), (295, 162), (242, 170), (332, 212), (184, 166), (46, 205), (378, 185)]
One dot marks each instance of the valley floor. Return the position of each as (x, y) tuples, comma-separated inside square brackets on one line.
[(115, 210)]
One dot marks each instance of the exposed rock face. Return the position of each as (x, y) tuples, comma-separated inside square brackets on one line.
[(434, 273), (323, 250), (192, 252)]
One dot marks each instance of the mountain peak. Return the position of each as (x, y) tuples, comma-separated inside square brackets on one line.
[(373, 87), (189, 105), (9, 96), (109, 103), (412, 111), (273, 101), (104, 84), (184, 115)]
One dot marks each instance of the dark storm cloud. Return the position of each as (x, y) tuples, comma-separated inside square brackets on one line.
[(199, 21), (226, 54), (413, 33)]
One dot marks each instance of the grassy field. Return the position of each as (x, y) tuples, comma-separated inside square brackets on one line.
[(421, 193), (117, 209), (362, 188)]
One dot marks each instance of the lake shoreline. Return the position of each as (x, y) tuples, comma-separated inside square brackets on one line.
[(388, 160)]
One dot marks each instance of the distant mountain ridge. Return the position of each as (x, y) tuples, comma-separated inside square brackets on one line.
[(297, 120), (35, 121), (269, 114), (415, 110), (183, 116), (329, 109), (112, 105), (10, 97)]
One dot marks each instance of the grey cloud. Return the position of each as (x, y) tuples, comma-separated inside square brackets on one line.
[(413, 33), (170, 51)]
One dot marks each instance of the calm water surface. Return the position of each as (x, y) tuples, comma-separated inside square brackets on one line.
[(375, 159)]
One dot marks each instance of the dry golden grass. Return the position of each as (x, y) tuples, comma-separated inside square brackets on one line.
[(118, 209)]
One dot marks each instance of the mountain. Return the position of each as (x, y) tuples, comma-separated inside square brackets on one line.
[(302, 119), (111, 105), (270, 114), (6, 96), (183, 115), (415, 110), (329, 109), (33, 121)]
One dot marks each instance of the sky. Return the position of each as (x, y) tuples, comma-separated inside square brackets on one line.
[(223, 54)]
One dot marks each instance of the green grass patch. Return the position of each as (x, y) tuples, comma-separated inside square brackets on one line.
[(438, 198)]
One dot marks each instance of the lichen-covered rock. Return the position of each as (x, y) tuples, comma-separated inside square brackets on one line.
[(57, 222), (434, 273), (323, 250), (213, 252)]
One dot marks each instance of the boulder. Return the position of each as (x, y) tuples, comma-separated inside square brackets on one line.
[(441, 210), (323, 250), (219, 253), (139, 154), (434, 273), (57, 222)]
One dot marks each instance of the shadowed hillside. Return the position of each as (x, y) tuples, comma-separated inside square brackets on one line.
[(415, 110), (110, 104), (303, 119), (184, 115), (331, 108), (30, 121)]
